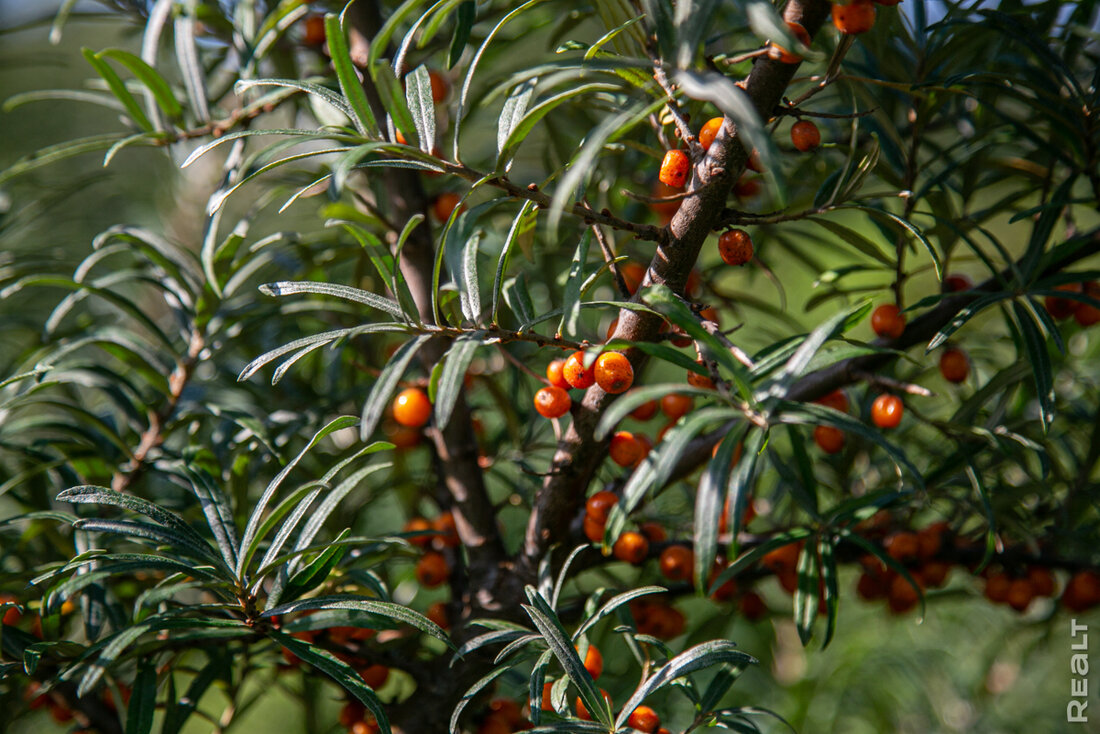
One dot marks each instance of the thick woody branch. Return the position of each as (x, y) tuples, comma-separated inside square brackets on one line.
[(578, 453), (455, 446)]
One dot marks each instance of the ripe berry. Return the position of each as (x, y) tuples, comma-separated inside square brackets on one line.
[(829, 439), (631, 547), (1082, 591), (675, 406), (887, 410), (412, 408), (366, 726), (783, 558), (375, 676), (437, 612), (746, 188), (858, 16), (632, 273), (352, 712), (441, 87), (677, 563), (626, 450), (645, 411), (1042, 580), (837, 400), (1020, 594), (957, 282), (805, 136), (726, 591), (1086, 314), (781, 54), (933, 574), (902, 596), (674, 169), (665, 210), (954, 366), (644, 719), (593, 661), (445, 203), (432, 569), (554, 374), (653, 532), (575, 373), (313, 32), (709, 131), (447, 531), (996, 587), (546, 689), (599, 505), (735, 247), (582, 712), (419, 524), (614, 373), (902, 546), (752, 606), (887, 321), (697, 380), (552, 402), (593, 529)]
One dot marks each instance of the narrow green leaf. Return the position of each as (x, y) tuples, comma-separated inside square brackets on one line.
[(143, 700), (347, 293), (361, 116), (523, 223), (470, 291), (1039, 358), (418, 93), (572, 297), (386, 609), (455, 364), (148, 76), (471, 693), (118, 88), (191, 68), (805, 594), (464, 23)]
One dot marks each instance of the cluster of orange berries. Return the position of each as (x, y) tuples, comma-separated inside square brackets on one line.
[(919, 552), (357, 720), (612, 371)]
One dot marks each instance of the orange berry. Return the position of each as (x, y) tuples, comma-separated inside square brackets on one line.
[(854, 18), (709, 131), (735, 247), (902, 546), (593, 661), (954, 366), (546, 687), (352, 712), (1020, 594), (887, 410), (445, 203), (752, 606), (599, 505), (957, 282), (633, 274), (1086, 314), (507, 710), (674, 168), (411, 408), (1042, 580), (432, 569), (872, 586), (783, 558), (726, 591), (313, 30), (675, 406), (829, 439), (11, 614), (366, 726), (593, 529), (697, 380), (437, 612), (805, 136), (996, 587), (626, 449), (631, 547), (665, 210), (902, 596), (575, 373), (933, 574), (419, 524), (582, 712), (611, 329), (644, 719), (614, 373), (645, 411), (677, 563), (1063, 308), (781, 54), (375, 676), (887, 321), (554, 374), (653, 531), (448, 532), (552, 402), (746, 188), (441, 87), (1082, 591), (402, 437), (837, 400)]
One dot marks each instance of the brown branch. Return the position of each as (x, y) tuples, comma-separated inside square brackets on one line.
[(579, 454)]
